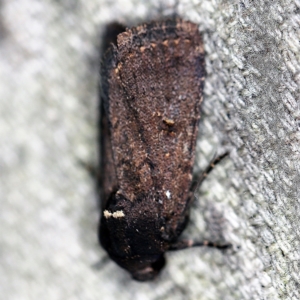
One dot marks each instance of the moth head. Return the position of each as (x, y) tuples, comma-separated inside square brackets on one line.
[(131, 234), (136, 252), (142, 267), (150, 271)]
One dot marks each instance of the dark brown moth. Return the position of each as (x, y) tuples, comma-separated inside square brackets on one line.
[(151, 90)]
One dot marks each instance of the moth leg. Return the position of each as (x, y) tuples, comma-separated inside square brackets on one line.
[(209, 168), (183, 244)]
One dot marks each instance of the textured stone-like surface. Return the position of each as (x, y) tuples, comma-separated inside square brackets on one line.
[(49, 72)]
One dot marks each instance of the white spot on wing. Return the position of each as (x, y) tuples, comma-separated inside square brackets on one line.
[(117, 214), (168, 194), (107, 214)]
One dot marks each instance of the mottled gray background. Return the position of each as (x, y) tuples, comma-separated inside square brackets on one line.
[(48, 89)]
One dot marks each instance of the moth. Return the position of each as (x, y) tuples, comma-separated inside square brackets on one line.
[(151, 90)]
